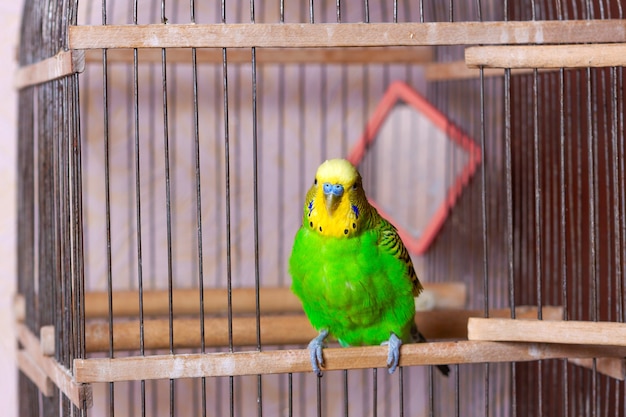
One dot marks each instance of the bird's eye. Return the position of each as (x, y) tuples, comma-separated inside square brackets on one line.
[(315, 181), (355, 186)]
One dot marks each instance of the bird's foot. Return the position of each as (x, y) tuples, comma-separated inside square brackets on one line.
[(394, 352), (315, 351)]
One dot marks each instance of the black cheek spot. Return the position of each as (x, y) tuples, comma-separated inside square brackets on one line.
[(311, 224), (354, 225), (320, 228), (345, 231)]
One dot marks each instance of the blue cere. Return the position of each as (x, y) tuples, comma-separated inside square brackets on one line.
[(335, 189)]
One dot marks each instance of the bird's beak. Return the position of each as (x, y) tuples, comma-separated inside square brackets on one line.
[(332, 201)]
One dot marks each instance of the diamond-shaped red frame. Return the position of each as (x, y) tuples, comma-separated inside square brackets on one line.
[(400, 92)]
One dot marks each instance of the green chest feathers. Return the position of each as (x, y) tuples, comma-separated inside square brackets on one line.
[(349, 283)]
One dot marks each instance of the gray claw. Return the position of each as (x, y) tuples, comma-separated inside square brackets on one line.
[(315, 351), (393, 358)]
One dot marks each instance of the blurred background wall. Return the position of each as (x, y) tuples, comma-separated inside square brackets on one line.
[(9, 22)]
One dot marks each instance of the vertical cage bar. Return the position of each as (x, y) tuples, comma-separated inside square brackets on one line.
[(537, 196), (198, 194), (168, 207), (346, 394), (538, 225), (374, 392), (621, 196), (509, 229), (78, 334), (311, 12), (591, 184), (563, 228), (431, 393), (319, 396), (107, 198), (138, 208), (616, 192), (231, 382), (255, 197), (64, 295), (484, 229)]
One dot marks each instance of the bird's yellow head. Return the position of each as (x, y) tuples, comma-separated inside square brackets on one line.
[(336, 204)]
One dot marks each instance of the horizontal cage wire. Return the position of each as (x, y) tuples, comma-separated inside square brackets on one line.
[(165, 150)]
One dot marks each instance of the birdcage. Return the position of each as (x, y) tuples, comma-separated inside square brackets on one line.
[(164, 152)]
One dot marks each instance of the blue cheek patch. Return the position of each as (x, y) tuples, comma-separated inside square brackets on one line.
[(310, 207), (355, 209)]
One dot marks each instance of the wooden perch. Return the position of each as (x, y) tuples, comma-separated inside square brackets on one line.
[(456, 70), (19, 308), (33, 371), (46, 340), (187, 302), (303, 35), (452, 324), (547, 331), (564, 332), (547, 56), (293, 329), (44, 370), (266, 56), (273, 300), (442, 71), (297, 360), (62, 64), (275, 330)]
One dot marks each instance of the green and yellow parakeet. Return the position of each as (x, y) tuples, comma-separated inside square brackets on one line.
[(350, 269)]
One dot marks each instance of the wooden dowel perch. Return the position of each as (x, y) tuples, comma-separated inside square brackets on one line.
[(275, 330), (293, 329), (457, 70), (62, 64), (38, 376), (547, 56), (187, 302), (266, 56), (547, 331), (302, 35), (44, 370), (562, 332), (272, 301), (284, 361)]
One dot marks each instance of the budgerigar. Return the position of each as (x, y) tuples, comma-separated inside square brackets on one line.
[(350, 269)]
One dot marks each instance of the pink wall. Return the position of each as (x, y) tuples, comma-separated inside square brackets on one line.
[(9, 22)]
